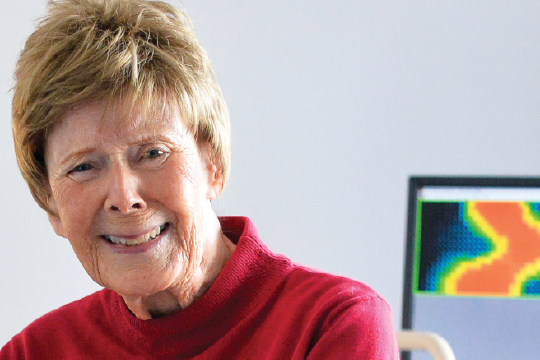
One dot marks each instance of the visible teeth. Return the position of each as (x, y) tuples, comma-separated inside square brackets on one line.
[(154, 233), (140, 240)]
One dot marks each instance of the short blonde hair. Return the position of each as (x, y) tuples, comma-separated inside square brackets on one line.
[(84, 50)]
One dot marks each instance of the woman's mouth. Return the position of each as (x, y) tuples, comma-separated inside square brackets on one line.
[(134, 241)]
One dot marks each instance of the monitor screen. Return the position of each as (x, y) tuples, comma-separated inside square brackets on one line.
[(473, 265)]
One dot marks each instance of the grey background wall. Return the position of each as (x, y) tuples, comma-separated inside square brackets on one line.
[(333, 104)]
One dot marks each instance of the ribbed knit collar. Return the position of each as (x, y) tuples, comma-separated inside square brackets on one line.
[(249, 276)]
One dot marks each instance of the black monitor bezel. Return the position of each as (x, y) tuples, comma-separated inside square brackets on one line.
[(417, 182)]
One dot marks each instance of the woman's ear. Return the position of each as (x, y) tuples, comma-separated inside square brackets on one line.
[(215, 182), (54, 218), (214, 173)]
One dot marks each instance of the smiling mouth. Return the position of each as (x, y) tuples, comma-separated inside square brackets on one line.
[(117, 240)]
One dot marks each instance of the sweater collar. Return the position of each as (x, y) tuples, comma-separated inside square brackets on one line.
[(245, 281)]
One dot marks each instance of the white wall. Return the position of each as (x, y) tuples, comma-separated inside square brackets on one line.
[(333, 104)]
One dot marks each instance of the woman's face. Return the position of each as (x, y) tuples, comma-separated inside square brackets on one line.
[(132, 196)]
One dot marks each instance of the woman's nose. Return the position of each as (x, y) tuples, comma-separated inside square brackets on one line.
[(123, 195)]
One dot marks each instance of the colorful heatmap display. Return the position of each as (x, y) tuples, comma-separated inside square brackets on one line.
[(478, 248)]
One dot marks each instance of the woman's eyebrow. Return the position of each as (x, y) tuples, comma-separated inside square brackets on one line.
[(154, 138), (76, 155), (148, 139)]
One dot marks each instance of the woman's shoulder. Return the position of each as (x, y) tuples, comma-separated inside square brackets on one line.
[(79, 310), (59, 325), (337, 316), (321, 282), (327, 292)]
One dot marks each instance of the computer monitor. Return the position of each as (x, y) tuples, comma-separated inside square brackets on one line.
[(472, 269)]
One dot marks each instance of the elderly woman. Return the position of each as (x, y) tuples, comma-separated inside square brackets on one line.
[(122, 134)]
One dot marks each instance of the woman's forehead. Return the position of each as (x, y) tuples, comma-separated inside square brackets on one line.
[(94, 123), (103, 115)]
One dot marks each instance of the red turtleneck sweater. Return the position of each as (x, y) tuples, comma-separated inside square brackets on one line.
[(261, 306)]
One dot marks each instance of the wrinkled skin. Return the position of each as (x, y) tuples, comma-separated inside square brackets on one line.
[(124, 178)]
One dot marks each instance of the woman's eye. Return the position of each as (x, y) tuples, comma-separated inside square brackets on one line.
[(81, 168), (153, 156), (153, 153)]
